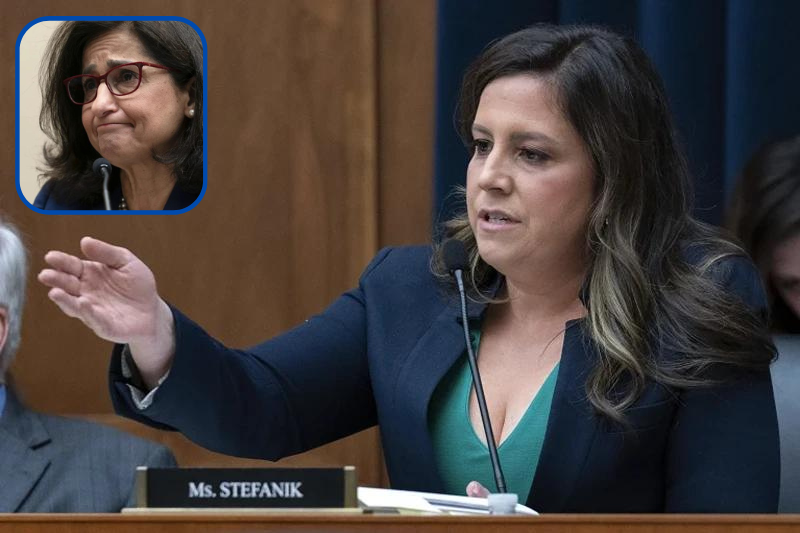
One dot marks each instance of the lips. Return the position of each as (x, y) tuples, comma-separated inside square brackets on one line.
[(496, 216), (111, 125)]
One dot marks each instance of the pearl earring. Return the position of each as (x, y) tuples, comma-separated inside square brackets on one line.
[(191, 112)]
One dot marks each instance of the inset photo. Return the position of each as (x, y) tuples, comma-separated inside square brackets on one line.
[(110, 115)]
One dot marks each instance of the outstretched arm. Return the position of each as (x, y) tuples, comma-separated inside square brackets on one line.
[(115, 295)]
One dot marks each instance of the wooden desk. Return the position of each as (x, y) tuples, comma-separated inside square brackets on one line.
[(188, 523)]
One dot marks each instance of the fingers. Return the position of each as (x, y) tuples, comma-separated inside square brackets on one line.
[(66, 302), (476, 490), (108, 254), (65, 263), (84, 310), (61, 280), (76, 307)]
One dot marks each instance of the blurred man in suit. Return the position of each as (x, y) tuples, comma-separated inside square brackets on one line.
[(49, 463)]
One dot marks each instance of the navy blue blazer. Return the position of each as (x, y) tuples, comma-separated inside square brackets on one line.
[(378, 352), (45, 199)]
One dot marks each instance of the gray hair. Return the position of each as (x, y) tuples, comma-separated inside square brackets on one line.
[(13, 274)]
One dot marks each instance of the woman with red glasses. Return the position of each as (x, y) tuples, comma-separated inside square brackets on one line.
[(129, 92)]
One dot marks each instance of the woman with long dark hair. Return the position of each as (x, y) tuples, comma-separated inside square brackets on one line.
[(132, 93), (623, 346)]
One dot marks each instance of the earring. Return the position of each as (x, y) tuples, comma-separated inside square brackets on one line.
[(191, 112)]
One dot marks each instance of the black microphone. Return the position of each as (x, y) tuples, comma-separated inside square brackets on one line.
[(456, 261), (102, 168)]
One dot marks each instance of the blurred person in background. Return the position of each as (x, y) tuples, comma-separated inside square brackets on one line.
[(52, 464), (765, 215)]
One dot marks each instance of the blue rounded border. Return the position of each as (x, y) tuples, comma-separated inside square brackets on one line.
[(117, 212)]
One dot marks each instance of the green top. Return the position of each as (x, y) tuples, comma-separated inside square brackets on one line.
[(462, 457)]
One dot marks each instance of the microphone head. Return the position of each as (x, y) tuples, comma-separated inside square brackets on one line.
[(99, 164), (455, 255)]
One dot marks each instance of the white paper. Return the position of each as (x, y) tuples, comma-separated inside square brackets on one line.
[(427, 502)]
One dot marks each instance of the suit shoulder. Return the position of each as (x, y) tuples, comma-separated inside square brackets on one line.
[(729, 268), (50, 198), (43, 196), (405, 260), (47, 198), (405, 269), (738, 275), (75, 434)]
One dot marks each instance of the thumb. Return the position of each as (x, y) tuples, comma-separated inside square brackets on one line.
[(476, 490), (102, 252)]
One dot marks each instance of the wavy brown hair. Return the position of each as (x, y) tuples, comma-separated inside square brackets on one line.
[(765, 211), (653, 282), (70, 156)]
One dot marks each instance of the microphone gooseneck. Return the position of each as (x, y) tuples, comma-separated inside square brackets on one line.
[(456, 261), (102, 168)]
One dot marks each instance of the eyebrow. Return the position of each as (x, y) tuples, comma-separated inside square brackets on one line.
[(110, 63), (518, 136)]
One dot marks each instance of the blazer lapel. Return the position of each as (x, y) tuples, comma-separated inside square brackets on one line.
[(21, 461), (436, 352), (571, 427)]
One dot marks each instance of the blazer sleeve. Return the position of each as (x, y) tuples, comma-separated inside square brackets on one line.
[(723, 454), (302, 389)]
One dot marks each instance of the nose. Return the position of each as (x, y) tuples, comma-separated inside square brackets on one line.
[(496, 172), (105, 102)]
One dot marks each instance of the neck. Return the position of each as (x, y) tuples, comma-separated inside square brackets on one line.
[(551, 295), (147, 186)]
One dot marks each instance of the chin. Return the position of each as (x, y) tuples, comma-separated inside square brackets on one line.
[(116, 157), (110, 152), (495, 255)]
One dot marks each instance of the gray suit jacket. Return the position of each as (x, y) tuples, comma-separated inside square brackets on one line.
[(786, 383), (51, 464)]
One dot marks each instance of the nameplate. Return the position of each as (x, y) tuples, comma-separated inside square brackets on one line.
[(246, 487)]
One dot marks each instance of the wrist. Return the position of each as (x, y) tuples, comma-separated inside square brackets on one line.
[(153, 353)]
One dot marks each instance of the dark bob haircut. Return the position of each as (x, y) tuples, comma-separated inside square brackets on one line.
[(69, 159), (765, 211)]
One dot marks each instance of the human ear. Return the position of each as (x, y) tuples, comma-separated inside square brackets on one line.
[(189, 107)]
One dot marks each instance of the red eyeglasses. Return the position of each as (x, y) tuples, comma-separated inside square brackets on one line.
[(120, 80)]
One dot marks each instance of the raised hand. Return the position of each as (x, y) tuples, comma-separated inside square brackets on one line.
[(115, 295)]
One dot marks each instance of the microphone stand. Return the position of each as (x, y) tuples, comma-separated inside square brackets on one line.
[(499, 479), (101, 167), (106, 198)]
